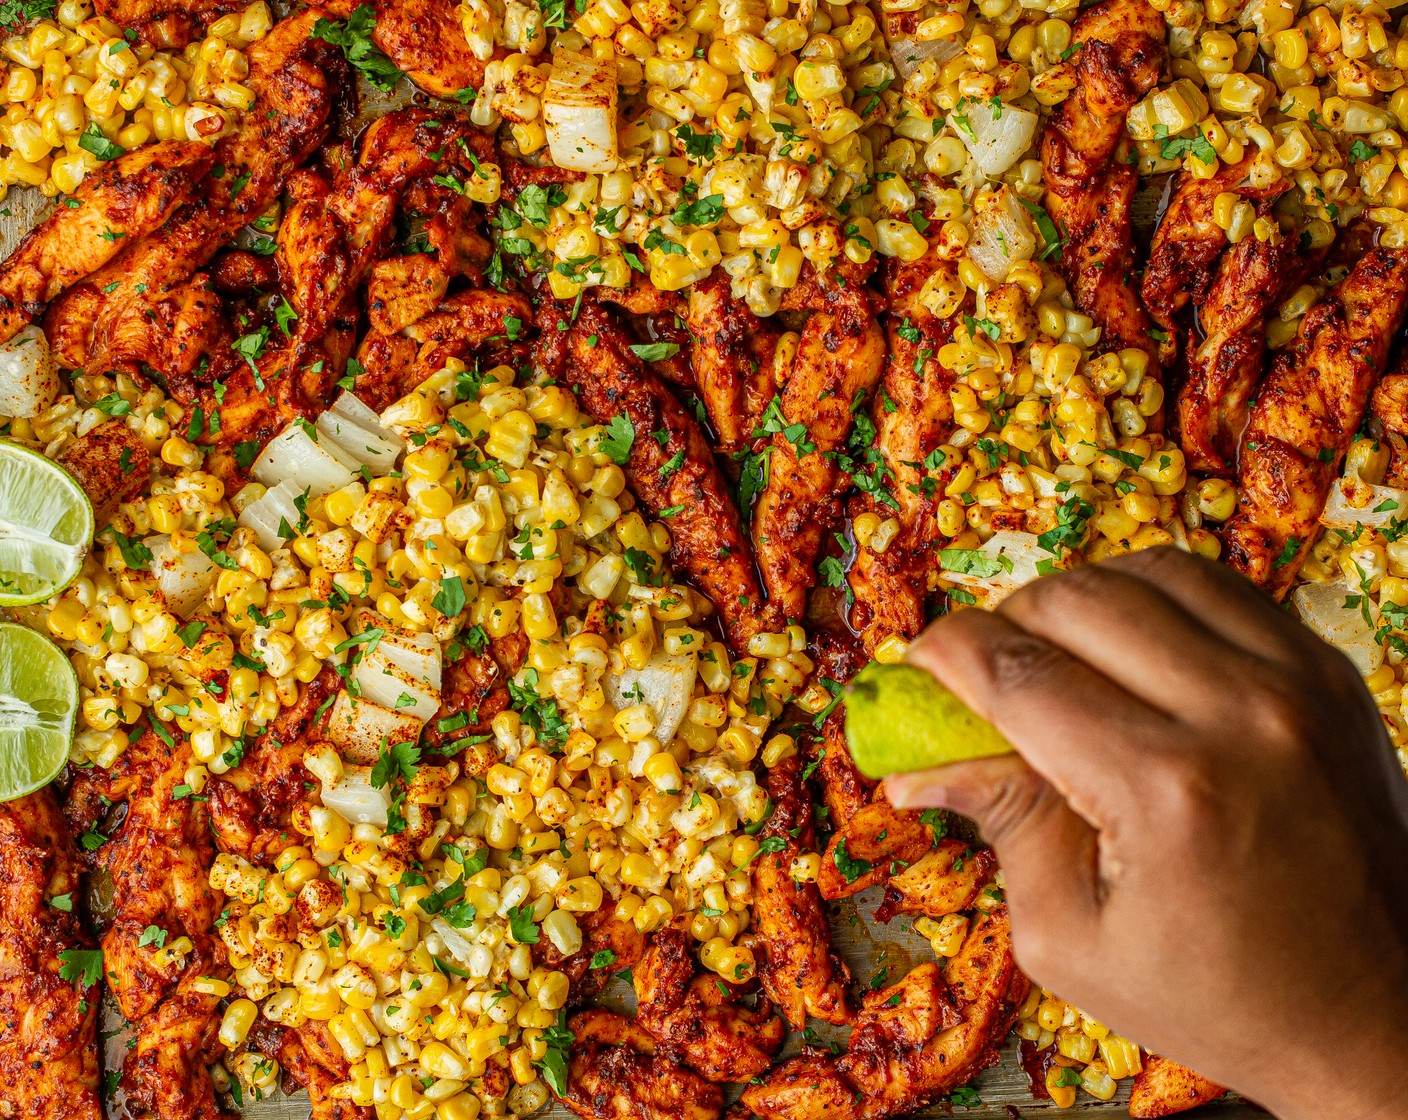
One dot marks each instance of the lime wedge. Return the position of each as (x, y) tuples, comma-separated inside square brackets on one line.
[(38, 704), (899, 718), (46, 526)]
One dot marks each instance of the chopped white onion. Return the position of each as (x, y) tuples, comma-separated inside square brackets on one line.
[(997, 135), (907, 54), (417, 653), (183, 578), (456, 943), (1002, 234), (294, 455), (1017, 555), (392, 687), (357, 727), (1335, 611), (267, 514), (1352, 503), (356, 799), (579, 112), (357, 431), (666, 684), (28, 380)]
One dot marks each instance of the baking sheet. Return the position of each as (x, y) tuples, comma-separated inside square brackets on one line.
[(866, 946)]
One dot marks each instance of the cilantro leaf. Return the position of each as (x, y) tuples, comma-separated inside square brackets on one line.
[(354, 36), (620, 437)]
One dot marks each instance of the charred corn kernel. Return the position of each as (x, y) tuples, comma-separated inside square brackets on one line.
[(235, 1023)]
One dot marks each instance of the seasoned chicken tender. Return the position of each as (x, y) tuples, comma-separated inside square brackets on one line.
[(124, 201), (707, 539), (121, 317), (165, 1075), (1164, 1088), (252, 803), (157, 861), (1189, 241), (1227, 366), (167, 23), (696, 1024), (48, 1024), (799, 971), (840, 357), (913, 416), (733, 355), (616, 1074), (1089, 184), (944, 881), (310, 1057), (425, 39), (877, 841), (913, 1042), (1306, 415)]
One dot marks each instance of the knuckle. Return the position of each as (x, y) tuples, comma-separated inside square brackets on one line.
[(1022, 663), (1059, 594), (1011, 804)]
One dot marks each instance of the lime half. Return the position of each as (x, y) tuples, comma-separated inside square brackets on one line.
[(899, 718), (38, 704), (46, 526)]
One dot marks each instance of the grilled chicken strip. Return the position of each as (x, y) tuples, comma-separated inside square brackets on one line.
[(125, 201), (912, 416), (946, 880), (615, 1074), (876, 842), (250, 805), (158, 861), (1306, 415), (694, 1023), (1225, 369), (310, 1058), (914, 1041), (707, 539), (733, 355), (1089, 184), (1164, 1088), (167, 23), (845, 789), (1390, 400), (1188, 241), (799, 971), (840, 357), (425, 40), (117, 319), (48, 1025)]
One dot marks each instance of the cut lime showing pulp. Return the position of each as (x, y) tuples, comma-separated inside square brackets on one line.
[(38, 704), (899, 718), (46, 526)]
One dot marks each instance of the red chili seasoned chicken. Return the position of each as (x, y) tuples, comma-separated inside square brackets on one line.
[(1089, 182), (913, 1042), (1189, 241), (1306, 415), (912, 415), (49, 970), (799, 971), (840, 356), (158, 860)]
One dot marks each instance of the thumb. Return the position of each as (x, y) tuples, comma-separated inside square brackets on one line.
[(1047, 851)]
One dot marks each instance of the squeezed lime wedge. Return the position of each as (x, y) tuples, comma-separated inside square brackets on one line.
[(900, 718), (46, 526), (38, 705)]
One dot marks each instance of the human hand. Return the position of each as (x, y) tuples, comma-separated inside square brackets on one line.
[(1205, 834)]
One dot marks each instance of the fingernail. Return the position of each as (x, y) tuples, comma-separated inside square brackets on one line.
[(921, 790)]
